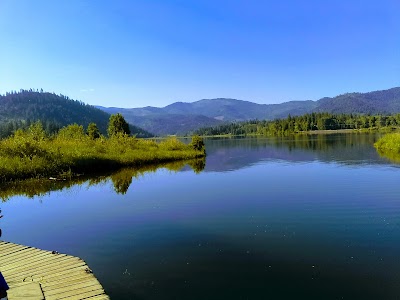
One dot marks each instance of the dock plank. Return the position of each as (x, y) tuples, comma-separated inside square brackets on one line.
[(35, 274)]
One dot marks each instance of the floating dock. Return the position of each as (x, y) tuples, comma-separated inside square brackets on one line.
[(34, 274)]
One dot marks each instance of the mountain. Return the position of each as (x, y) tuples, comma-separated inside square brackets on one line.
[(181, 117), (377, 102), (55, 111)]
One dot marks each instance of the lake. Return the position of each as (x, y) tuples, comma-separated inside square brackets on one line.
[(309, 217)]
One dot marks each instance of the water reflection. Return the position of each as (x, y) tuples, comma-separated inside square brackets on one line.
[(391, 156), (121, 180), (228, 154), (293, 221)]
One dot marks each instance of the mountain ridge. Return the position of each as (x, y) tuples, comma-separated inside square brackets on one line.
[(219, 110)]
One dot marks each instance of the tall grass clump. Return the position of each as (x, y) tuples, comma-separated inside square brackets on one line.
[(389, 146), (389, 143), (33, 154)]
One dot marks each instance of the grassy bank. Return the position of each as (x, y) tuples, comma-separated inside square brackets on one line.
[(32, 154), (389, 146)]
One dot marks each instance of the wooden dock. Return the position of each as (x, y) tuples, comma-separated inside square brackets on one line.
[(34, 274)]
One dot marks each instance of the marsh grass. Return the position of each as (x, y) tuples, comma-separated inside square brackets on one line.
[(32, 154), (389, 146)]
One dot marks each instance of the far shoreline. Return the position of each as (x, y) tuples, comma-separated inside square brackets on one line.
[(310, 132)]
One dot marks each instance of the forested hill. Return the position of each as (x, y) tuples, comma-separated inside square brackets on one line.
[(180, 117), (377, 102), (17, 109)]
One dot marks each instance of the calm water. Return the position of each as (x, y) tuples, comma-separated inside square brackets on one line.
[(311, 218)]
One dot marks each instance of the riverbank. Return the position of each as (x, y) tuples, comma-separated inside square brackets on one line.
[(310, 132), (389, 146), (30, 154)]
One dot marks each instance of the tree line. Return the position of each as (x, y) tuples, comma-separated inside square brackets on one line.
[(18, 110), (116, 125), (307, 122)]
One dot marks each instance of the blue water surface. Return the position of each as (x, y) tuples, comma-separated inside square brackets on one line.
[(311, 217)]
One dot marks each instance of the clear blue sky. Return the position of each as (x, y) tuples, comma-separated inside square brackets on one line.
[(143, 52)]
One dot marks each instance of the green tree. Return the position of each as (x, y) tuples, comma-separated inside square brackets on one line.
[(197, 143), (72, 132), (117, 125), (93, 131), (36, 131)]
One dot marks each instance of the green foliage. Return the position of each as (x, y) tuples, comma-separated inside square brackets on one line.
[(93, 131), (197, 143), (389, 142), (117, 126), (31, 153), (389, 146), (72, 132), (26, 144), (36, 131), (172, 143)]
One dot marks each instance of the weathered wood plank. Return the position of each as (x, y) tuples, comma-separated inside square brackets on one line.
[(86, 295), (71, 281), (11, 250), (100, 297), (29, 291), (41, 266), (79, 293), (40, 260), (52, 278), (35, 274), (12, 245), (77, 286), (17, 257)]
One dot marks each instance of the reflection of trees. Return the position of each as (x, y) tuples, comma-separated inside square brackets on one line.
[(197, 165), (227, 154), (391, 156), (121, 180), (35, 187)]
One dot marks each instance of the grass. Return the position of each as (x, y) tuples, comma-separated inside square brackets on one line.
[(32, 154), (389, 146)]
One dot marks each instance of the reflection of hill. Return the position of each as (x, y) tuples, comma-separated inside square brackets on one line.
[(226, 154)]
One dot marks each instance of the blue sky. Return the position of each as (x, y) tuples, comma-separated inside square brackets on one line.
[(139, 53)]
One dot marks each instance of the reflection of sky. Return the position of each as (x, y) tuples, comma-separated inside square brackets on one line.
[(221, 231)]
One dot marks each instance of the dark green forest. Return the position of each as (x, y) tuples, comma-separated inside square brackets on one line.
[(305, 123), (18, 110)]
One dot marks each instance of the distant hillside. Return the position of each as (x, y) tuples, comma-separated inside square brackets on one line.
[(162, 123), (378, 102), (180, 117), (53, 110)]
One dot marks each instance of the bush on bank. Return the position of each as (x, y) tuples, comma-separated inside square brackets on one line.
[(32, 154)]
